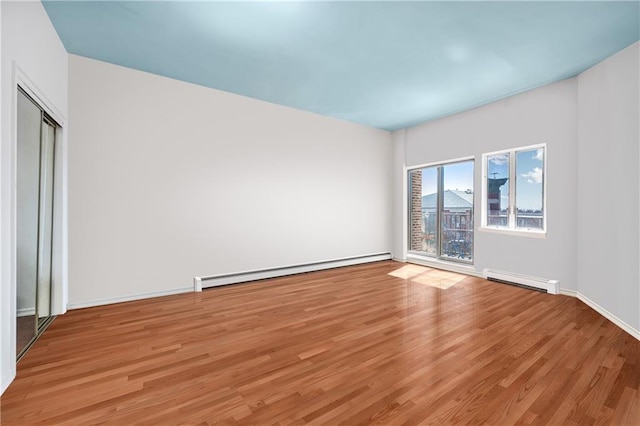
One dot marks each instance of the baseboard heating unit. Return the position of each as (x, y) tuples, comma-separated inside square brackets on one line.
[(260, 274), (534, 283)]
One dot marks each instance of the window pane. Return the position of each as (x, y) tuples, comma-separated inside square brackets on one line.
[(457, 211), (423, 215), (529, 188), (498, 190)]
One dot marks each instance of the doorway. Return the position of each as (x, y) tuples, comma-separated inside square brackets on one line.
[(36, 142)]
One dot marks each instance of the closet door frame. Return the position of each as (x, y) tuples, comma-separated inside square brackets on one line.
[(47, 129), (8, 308)]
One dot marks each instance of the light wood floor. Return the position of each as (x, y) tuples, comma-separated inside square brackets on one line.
[(378, 343)]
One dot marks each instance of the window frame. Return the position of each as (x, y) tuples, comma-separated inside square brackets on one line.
[(511, 228), (437, 256)]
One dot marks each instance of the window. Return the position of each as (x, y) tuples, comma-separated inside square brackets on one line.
[(513, 189), (441, 211)]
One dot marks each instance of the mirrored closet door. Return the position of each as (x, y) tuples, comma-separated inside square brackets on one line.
[(36, 133)]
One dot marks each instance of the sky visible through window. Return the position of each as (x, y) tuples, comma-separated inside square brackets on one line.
[(457, 176), (529, 178)]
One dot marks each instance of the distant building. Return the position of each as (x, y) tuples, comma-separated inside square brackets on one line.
[(457, 223), (525, 218), (493, 201)]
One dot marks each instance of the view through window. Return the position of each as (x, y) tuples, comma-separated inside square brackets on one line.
[(514, 189), (441, 211)]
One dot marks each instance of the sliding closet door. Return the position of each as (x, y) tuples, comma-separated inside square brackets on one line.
[(43, 292), (27, 220), (36, 134)]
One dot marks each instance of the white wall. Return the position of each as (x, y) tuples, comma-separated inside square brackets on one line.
[(399, 198), (608, 192), (169, 180), (32, 54), (547, 114)]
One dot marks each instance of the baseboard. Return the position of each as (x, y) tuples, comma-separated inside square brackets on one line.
[(397, 259), (129, 298), (217, 280), (7, 379), (602, 311), (608, 315), (521, 280), (25, 312)]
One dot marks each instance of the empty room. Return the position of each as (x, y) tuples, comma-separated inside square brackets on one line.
[(310, 212)]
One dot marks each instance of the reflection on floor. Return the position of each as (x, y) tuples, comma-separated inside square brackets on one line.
[(428, 276), (25, 331)]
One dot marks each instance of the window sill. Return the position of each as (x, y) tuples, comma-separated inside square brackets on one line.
[(514, 232)]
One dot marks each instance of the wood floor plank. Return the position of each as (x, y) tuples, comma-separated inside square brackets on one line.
[(382, 343)]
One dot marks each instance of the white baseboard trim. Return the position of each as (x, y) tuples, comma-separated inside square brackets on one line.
[(397, 259), (602, 311), (7, 379), (25, 312), (608, 315), (446, 266), (217, 280), (129, 298)]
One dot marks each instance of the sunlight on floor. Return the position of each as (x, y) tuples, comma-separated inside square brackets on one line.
[(409, 271), (428, 276)]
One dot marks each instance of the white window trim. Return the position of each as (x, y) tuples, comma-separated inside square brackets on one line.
[(531, 233), (512, 230), (439, 163)]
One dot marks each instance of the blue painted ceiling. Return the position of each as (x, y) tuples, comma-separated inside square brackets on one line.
[(384, 64)]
